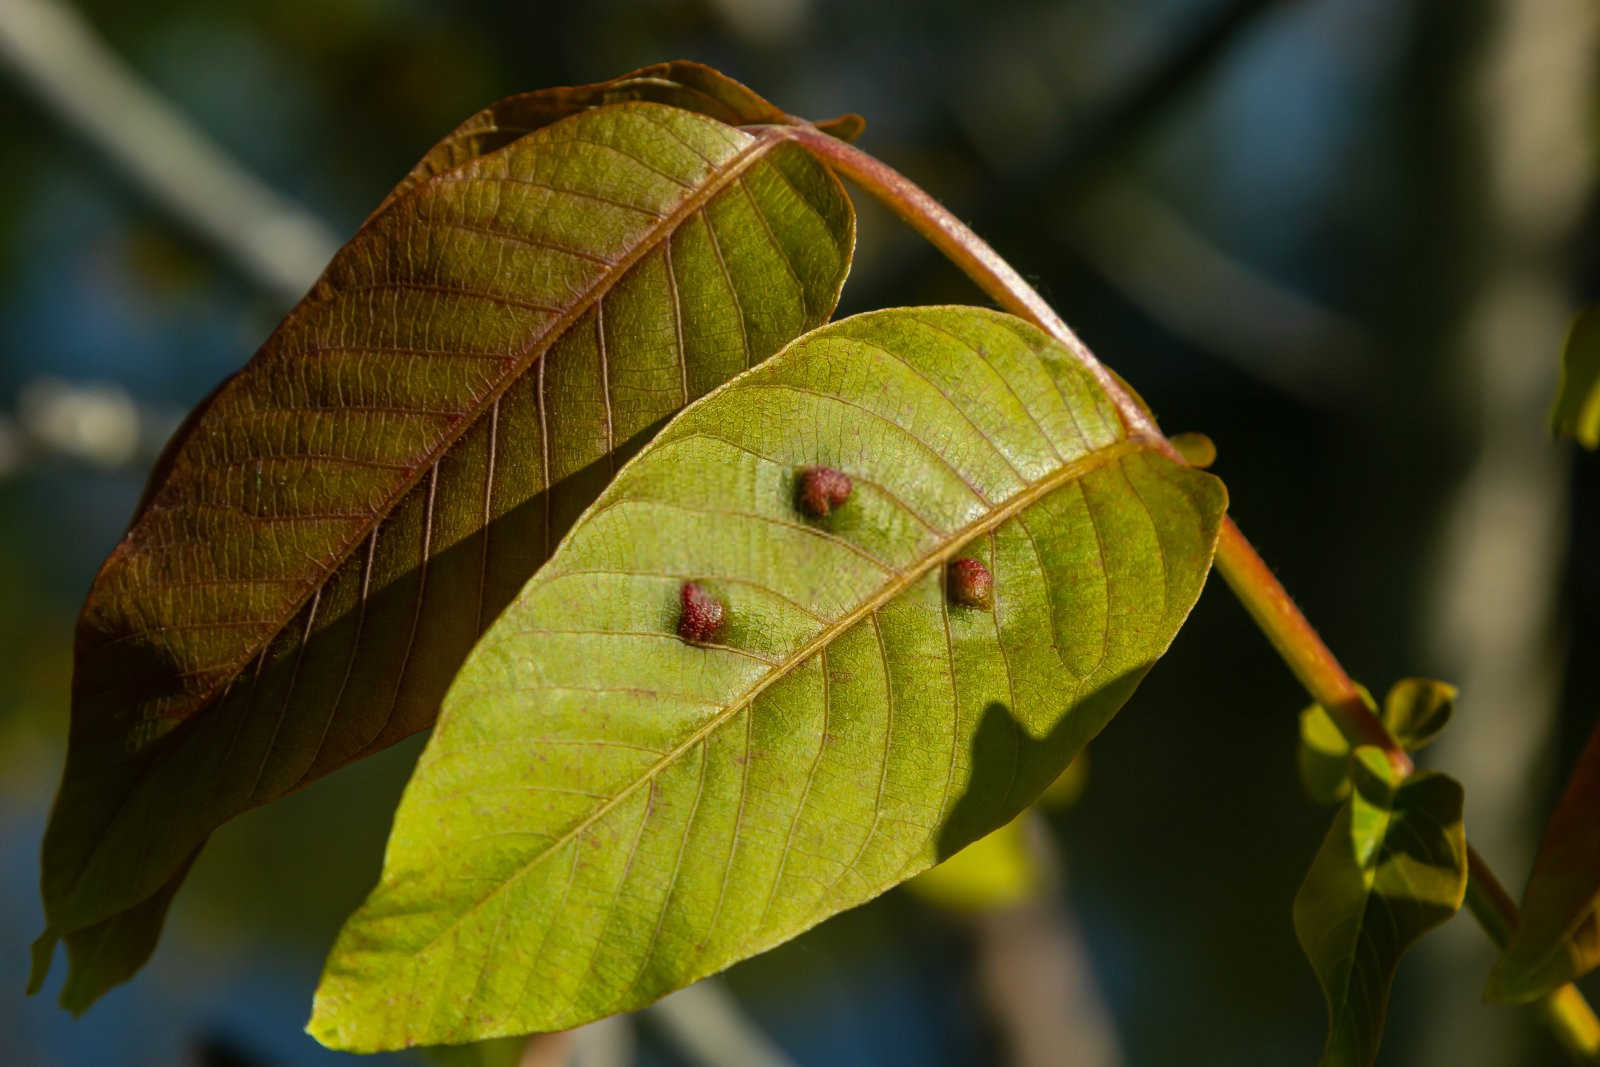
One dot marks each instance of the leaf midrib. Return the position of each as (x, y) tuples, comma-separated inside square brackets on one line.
[(763, 141), (897, 584)]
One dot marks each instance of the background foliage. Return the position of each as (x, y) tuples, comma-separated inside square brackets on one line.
[(1339, 152)]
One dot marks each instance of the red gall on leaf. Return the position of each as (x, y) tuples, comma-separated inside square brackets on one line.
[(701, 618), (970, 584), (822, 489)]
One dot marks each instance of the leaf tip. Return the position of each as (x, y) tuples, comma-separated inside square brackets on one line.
[(846, 127), (331, 1027), (43, 953), (1512, 981)]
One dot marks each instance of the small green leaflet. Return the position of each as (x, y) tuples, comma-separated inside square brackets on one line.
[(1393, 866), (607, 812), (1415, 711), (1324, 754)]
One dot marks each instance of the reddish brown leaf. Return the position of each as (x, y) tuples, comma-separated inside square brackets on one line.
[(1557, 939), (325, 539)]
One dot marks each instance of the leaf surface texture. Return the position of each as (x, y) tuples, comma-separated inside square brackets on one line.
[(608, 812)]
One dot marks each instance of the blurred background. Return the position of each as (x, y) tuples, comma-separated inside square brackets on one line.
[(1342, 237)]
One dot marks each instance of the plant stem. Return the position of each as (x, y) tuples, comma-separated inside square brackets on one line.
[(1488, 900), (1242, 567), (972, 255), (1275, 613), (1566, 1011)]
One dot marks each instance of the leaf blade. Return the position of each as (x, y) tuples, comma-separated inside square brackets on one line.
[(332, 529), (1392, 867), (848, 717), (1416, 711)]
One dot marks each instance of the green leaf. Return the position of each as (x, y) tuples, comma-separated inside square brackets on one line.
[(330, 532), (608, 812), (1324, 754), (1324, 757), (1558, 938), (1577, 409), (1393, 867), (1197, 449), (1416, 710)]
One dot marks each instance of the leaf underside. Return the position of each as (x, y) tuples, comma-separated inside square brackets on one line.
[(1393, 866), (328, 535), (607, 812), (1558, 937)]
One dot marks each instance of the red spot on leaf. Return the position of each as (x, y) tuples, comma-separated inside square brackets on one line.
[(970, 583), (822, 489), (700, 619)]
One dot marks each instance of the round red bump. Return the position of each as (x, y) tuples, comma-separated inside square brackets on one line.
[(971, 584), (700, 619), (822, 489)]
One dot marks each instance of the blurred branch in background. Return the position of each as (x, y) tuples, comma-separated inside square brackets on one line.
[(1181, 280), (59, 59), (1145, 250), (1141, 94), (1035, 973), (93, 424), (709, 1028), (606, 1043)]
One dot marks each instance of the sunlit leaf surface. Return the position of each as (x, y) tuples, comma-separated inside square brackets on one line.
[(608, 811), (326, 538)]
